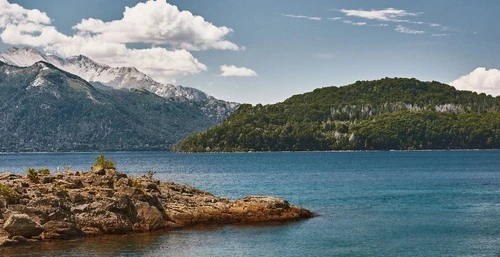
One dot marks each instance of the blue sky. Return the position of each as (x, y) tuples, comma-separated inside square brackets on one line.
[(264, 51)]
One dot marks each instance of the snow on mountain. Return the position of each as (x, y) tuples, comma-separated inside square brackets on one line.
[(119, 78)]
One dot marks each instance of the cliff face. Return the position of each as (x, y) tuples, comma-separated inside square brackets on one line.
[(103, 201)]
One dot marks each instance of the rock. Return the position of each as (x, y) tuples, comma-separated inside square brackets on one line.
[(98, 169), (22, 225), (70, 183), (47, 179), (80, 208), (77, 197), (123, 182), (3, 202), (122, 204), (91, 231), (61, 230), (19, 239), (149, 218), (8, 242)]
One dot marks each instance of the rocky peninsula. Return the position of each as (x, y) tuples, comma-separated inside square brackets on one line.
[(66, 205)]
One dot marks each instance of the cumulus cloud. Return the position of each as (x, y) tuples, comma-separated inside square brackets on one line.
[(480, 80), (233, 71), (16, 14), (313, 18), (22, 26), (172, 32), (405, 30), (159, 22)]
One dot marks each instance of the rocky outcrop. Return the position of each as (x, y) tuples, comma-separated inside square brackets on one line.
[(22, 225), (103, 201)]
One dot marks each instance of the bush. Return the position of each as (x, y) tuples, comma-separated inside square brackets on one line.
[(9, 194), (32, 174), (44, 171), (104, 162), (60, 190), (137, 184)]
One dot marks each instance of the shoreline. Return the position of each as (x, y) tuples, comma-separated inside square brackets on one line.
[(244, 152)]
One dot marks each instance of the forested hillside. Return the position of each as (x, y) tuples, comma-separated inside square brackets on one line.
[(384, 114)]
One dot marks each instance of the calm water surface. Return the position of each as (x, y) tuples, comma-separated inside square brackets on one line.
[(370, 203)]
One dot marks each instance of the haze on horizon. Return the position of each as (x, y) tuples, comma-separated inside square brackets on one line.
[(265, 51)]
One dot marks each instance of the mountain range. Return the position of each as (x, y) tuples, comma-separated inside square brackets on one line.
[(48, 103), (385, 114), (119, 78)]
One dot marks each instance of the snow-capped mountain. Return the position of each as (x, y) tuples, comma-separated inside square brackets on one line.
[(43, 108), (120, 78)]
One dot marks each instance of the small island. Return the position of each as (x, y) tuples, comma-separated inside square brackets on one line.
[(67, 205)]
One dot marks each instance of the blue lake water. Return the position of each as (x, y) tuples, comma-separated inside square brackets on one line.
[(440, 203)]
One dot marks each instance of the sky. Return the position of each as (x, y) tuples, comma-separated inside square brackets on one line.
[(264, 51)]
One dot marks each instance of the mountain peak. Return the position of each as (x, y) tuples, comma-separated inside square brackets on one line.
[(22, 57), (84, 59), (24, 49)]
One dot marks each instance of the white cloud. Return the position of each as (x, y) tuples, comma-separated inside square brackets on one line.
[(172, 32), (313, 18), (388, 14), (480, 80), (405, 30), (233, 71), (379, 25), (16, 14), (354, 23), (160, 23), (22, 26), (335, 18)]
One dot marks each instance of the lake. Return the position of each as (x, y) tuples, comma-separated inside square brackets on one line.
[(417, 203)]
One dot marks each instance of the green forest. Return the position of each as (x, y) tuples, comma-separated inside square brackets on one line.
[(386, 114)]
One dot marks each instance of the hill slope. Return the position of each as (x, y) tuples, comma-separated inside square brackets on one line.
[(43, 108), (367, 115)]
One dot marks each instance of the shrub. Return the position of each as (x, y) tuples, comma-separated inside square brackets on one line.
[(104, 162), (9, 194), (137, 184), (60, 190), (150, 174), (44, 171), (32, 174)]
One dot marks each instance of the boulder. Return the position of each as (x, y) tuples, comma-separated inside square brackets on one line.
[(61, 230), (98, 169), (22, 225), (149, 217)]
